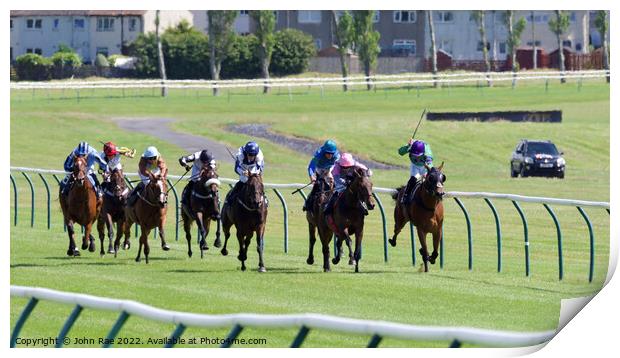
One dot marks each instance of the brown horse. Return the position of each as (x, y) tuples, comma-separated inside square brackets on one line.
[(81, 205), (202, 207), (316, 220), (349, 212), (113, 211), (248, 212), (149, 211), (425, 212)]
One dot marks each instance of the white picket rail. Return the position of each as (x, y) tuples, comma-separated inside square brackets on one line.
[(460, 194), (402, 79), (476, 336)]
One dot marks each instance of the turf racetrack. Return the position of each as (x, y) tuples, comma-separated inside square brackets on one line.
[(46, 126)]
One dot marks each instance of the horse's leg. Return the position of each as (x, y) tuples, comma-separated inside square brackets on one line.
[(88, 239), (73, 250), (326, 238), (147, 248), (359, 234), (120, 226), (337, 256), (423, 249), (162, 235), (246, 245), (259, 247), (436, 241), (347, 240), (242, 256), (217, 242), (187, 227), (226, 224), (200, 221), (110, 224), (101, 232), (399, 221), (312, 238)]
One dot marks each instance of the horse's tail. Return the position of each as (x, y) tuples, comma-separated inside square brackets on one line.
[(398, 190)]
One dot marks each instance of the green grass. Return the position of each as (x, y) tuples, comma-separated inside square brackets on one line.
[(373, 125)]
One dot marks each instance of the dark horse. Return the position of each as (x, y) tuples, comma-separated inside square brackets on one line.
[(113, 211), (81, 205), (425, 212), (202, 207), (248, 212), (316, 220), (149, 211), (349, 211)]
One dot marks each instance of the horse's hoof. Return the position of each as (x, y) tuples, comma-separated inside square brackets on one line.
[(242, 268), (262, 269), (204, 246), (224, 252), (392, 242), (69, 252), (84, 246), (189, 253), (217, 243), (111, 249), (326, 269), (357, 269), (351, 262), (137, 259), (165, 247), (335, 260), (76, 253), (126, 246), (91, 247), (310, 260), (432, 259)]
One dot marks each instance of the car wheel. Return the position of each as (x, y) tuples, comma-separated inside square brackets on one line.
[(513, 174), (561, 175), (523, 172)]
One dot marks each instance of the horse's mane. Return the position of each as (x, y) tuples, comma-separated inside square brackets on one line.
[(398, 190)]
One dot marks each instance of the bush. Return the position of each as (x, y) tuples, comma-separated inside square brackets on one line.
[(101, 61), (242, 61), (112, 59), (64, 63), (144, 48), (33, 67), (292, 51)]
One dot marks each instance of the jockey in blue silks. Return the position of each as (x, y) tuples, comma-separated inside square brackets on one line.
[(92, 157), (321, 166)]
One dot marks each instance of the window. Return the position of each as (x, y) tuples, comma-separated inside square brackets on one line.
[(33, 23), (78, 24), (244, 34), (11, 24), (480, 46), (55, 24), (529, 43), (445, 16), (375, 17), (133, 24), (275, 15), (105, 24), (446, 46), (103, 51), (578, 46), (572, 16), (34, 50), (567, 43), (405, 16), (309, 16), (405, 45), (244, 12), (502, 48), (317, 44)]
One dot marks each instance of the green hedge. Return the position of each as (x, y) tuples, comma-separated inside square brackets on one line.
[(292, 52), (64, 64), (33, 67)]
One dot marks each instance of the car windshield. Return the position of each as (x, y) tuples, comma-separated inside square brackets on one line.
[(541, 148)]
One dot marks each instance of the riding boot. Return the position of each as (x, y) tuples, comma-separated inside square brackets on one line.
[(408, 189), (65, 184), (329, 207), (134, 194), (230, 197), (187, 192), (310, 200)]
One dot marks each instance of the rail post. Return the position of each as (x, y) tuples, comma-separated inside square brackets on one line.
[(498, 229), (412, 243), (585, 217), (301, 336), (32, 303), (109, 339), (31, 198), (14, 200), (469, 238), (176, 211), (232, 335), (383, 220), (176, 334), (67, 326), (559, 232), (285, 209), (64, 226), (527, 242), (374, 341), (47, 190)]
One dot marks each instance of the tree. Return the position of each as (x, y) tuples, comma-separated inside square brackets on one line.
[(602, 24), (345, 38), (514, 39), (265, 27), (220, 40), (478, 16), (292, 52), (366, 41), (160, 57), (535, 56), (558, 26), (431, 26)]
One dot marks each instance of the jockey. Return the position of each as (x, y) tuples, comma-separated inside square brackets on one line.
[(92, 156), (112, 155), (200, 159), (321, 165), (248, 160), (419, 154), (342, 173), (150, 162)]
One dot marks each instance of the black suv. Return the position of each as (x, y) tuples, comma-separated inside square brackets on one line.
[(537, 157)]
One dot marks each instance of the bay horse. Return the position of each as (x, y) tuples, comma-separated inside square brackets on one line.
[(202, 207), (248, 212), (349, 212), (425, 212), (81, 205), (149, 211), (115, 193), (316, 220)]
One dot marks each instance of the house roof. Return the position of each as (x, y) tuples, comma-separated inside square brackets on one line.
[(22, 13)]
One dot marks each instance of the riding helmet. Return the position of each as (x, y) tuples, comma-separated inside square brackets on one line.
[(417, 148), (205, 156), (82, 149), (251, 148), (329, 147), (109, 149), (150, 152)]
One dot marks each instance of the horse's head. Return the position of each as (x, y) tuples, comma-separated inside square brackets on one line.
[(79, 169), (155, 191), (433, 184), (117, 184), (209, 180), (254, 192), (325, 182), (361, 186)]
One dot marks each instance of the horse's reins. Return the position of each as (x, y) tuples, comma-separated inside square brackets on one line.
[(190, 178)]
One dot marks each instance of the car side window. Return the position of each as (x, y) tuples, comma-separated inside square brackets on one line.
[(520, 148)]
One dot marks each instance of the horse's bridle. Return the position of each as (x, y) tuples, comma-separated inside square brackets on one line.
[(260, 203), (158, 205), (211, 194)]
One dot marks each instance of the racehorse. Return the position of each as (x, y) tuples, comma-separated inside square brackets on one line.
[(248, 212), (425, 212), (81, 205), (348, 214), (202, 207), (149, 211), (113, 211), (316, 220)]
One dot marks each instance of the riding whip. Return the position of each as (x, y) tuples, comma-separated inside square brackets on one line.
[(419, 122), (173, 185), (305, 186)]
